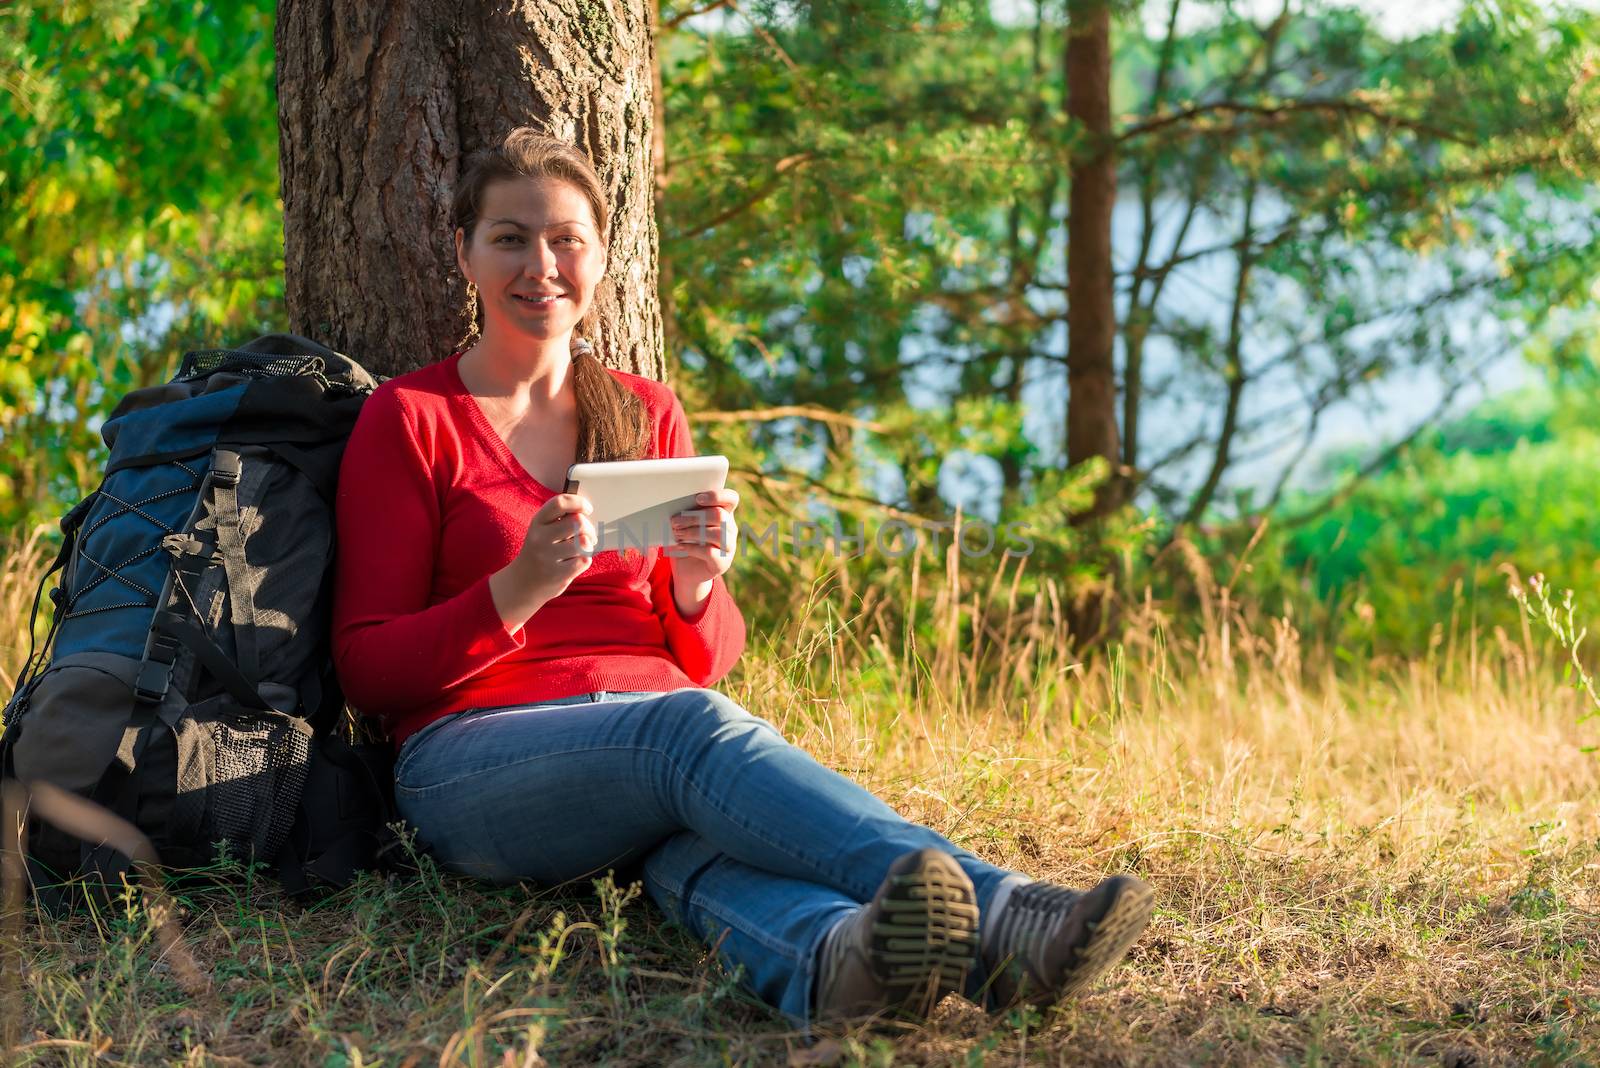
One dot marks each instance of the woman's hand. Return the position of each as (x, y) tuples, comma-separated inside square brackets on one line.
[(704, 539), (558, 547)]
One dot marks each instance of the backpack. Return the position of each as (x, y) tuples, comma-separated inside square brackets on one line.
[(186, 682)]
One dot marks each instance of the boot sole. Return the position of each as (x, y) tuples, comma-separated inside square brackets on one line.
[(1112, 935), (925, 941)]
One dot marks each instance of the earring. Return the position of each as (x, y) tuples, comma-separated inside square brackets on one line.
[(470, 310)]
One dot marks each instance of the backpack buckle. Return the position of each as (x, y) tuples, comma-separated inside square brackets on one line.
[(150, 686), (153, 682), (225, 467)]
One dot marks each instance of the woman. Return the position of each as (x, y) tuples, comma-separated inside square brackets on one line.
[(549, 702)]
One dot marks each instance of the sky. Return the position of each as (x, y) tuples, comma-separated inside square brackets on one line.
[(1397, 18)]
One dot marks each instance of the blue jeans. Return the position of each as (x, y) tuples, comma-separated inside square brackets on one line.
[(743, 838)]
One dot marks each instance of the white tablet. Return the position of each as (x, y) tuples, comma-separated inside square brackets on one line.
[(634, 500)]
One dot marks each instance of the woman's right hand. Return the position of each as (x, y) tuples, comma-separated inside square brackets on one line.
[(558, 547)]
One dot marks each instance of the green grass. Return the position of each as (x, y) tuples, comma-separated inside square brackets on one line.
[(1510, 488)]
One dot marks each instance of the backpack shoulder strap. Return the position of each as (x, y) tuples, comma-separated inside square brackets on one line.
[(175, 621), (226, 467)]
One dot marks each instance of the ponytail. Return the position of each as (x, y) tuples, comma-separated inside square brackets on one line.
[(611, 418)]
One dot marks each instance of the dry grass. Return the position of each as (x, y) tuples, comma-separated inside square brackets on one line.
[(1391, 863), (26, 558)]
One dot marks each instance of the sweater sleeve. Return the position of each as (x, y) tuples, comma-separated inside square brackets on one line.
[(707, 646), (391, 648)]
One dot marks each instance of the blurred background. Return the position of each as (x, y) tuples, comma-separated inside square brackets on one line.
[(1353, 251)]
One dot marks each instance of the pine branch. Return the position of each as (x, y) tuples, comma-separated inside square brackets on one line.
[(680, 19), (1278, 112)]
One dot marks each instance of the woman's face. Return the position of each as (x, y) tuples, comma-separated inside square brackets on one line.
[(535, 255)]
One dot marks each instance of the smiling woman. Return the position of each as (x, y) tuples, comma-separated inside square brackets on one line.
[(550, 702), (531, 221), (537, 251)]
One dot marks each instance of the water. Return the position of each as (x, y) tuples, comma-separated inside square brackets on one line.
[(1282, 344)]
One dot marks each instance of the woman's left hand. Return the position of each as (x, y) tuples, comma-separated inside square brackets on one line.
[(704, 540)]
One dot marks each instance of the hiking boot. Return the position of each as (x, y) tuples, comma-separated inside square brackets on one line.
[(903, 951), (1048, 942)]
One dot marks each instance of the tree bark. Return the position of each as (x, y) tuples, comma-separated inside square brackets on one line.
[(658, 186), (1091, 315), (379, 106)]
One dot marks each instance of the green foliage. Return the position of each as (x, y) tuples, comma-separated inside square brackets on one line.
[(802, 531), (824, 182), (866, 206), (1508, 490), (138, 204)]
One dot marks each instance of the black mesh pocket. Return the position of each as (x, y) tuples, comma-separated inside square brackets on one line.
[(243, 777), (260, 774), (256, 364)]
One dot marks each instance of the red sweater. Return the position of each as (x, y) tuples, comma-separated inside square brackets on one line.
[(431, 503)]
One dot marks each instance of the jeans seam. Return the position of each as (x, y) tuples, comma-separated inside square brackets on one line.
[(783, 948), (676, 889), (747, 828), (672, 887)]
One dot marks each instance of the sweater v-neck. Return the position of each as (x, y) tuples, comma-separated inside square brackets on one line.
[(492, 439)]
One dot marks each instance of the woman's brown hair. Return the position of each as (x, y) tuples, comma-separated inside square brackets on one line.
[(612, 424)]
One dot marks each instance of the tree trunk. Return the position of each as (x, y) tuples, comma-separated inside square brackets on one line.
[(658, 187), (380, 104), (1091, 316)]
